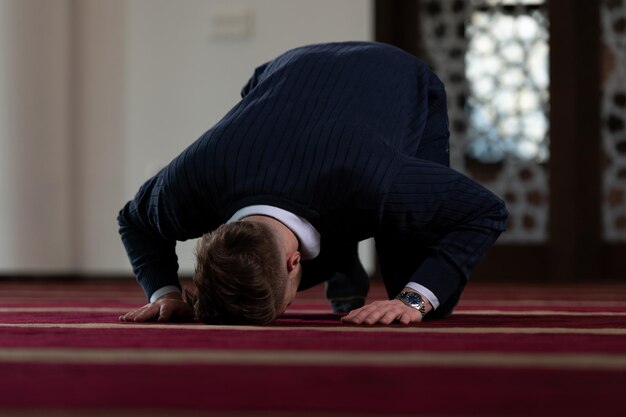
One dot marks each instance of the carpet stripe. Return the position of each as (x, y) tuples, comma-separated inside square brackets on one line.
[(542, 303), (62, 309), (326, 310), (539, 313), (603, 362), (373, 329), (136, 301), (126, 412)]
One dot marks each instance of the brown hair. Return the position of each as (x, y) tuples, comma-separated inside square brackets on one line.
[(238, 277)]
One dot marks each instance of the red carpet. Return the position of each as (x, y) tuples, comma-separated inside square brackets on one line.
[(507, 351)]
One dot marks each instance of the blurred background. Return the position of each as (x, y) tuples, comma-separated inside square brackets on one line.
[(97, 95)]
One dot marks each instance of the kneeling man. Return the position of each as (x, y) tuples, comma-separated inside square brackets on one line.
[(331, 144)]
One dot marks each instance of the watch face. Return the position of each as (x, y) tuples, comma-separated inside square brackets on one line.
[(412, 298)]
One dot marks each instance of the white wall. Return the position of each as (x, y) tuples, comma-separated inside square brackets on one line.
[(126, 85), (181, 80), (100, 117), (36, 202)]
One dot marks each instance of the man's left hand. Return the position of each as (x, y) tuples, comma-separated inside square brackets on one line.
[(383, 312)]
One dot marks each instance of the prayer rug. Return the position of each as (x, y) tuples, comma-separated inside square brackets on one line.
[(508, 350)]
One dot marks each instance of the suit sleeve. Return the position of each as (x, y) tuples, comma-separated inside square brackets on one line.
[(151, 254), (450, 217)]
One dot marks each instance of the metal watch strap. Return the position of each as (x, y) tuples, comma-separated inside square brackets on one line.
[(413, 300)]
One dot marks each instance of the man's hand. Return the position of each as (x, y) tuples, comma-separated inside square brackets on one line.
[(383, 312), (170, 306)]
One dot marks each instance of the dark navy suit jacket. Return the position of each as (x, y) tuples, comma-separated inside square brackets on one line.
[(332, 133)]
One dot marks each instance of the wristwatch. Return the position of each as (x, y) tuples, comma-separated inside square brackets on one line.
[(413, 300)]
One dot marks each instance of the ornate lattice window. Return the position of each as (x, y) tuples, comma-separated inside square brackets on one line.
[(613, 13), (506, 65), (493, 57)]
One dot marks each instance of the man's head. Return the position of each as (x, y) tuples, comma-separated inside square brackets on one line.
[(245, 274)]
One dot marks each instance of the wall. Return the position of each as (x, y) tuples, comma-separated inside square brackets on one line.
[(121, 87), (100, 117), (35, 129), (181, 80)]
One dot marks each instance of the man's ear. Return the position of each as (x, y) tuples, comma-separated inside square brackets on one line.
[(293, 261)]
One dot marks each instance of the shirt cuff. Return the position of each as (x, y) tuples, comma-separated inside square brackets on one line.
[(428, 294), (171, 288)]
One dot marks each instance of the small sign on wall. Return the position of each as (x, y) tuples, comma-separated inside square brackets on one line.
[(232, 22)]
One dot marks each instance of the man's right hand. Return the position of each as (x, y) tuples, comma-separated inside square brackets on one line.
[(168, 307)]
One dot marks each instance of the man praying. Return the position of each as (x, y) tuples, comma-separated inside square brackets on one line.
[(330, 144)]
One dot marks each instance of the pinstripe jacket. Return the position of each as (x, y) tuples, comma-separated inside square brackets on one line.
[(329, 132)]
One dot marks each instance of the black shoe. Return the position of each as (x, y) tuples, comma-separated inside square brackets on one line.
[(347, 304)]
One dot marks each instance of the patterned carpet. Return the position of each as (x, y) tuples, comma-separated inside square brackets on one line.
[(509, 350)]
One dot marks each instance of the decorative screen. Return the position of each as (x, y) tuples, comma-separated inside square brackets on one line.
[(613, 15), (493, 58), (506, 65)]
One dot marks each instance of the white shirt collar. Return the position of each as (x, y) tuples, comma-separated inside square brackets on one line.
[(307, 235)]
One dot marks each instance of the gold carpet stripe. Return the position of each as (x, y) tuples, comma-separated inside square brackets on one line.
[(491, 312), (331, 329), (327, 311), (126, 412), (499, 313), (63, 309), (137, 300), (543, 303), (607, 362), (541, 313)]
